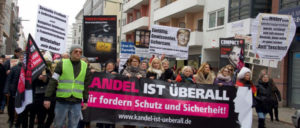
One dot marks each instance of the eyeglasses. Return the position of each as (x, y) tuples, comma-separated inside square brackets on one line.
[(77, 51)]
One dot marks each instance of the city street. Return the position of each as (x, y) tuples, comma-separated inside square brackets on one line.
[(152, 63), (269, 124)]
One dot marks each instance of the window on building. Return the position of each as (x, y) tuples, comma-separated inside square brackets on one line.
[(212, 20), (79, 28), (181, 25), (243, 9), (130, 19), (289, 3), (168, 2), (138, 14), (200, 25), (216, 18), (220, 20)]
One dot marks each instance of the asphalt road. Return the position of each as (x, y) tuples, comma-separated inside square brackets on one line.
[(269, 124)]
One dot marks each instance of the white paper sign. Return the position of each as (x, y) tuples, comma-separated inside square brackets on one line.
[(51, 30), (127, 49), (171, 41), (272, 35)]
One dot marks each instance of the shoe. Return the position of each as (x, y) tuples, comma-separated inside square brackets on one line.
[(277, 120), (1, 112)]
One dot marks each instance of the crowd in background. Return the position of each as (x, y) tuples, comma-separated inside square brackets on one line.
[(265, 92)]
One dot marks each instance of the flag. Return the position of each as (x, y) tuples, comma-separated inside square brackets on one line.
[(32, 66)]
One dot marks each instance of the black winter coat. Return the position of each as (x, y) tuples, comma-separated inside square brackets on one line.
[(2, 78), (12, 80), (264, 97), (168, 74)]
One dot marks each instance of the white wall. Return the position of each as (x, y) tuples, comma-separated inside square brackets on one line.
[(211, 36), (155, 4), (241, 27)]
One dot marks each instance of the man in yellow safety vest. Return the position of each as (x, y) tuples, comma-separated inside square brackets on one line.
[(70, 80)]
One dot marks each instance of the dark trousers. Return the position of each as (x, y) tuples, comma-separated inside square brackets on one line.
[(22, 119), (275, 112), (2, 101), (102, 125), (83, 124), (11, 110), (50, 115), (37, 109)]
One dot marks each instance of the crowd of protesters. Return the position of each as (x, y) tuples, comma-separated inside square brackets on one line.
[(51, 96)]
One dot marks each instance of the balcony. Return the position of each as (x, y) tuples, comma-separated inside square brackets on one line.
[(196, 38), (134, 4), (141, 23), (178, 8)]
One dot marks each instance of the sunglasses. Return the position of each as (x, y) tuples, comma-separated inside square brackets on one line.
[(77, 51)]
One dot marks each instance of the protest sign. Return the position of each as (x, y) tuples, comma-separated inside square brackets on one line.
[(127, 49), (272, 35), (155, 103), (141, 43), (171, 41), (51, 30), (32, 67), (252, 58), (13, 62), (232, 52), (100, 37)]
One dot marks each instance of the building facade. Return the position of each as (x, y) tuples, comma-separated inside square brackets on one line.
[(9, 26), (96, 7), (209, 22), (290, 65)]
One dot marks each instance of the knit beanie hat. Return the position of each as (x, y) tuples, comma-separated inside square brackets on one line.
[(242, 73), (74, 47)]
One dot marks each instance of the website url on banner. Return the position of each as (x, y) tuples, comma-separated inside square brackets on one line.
[(155, 119)]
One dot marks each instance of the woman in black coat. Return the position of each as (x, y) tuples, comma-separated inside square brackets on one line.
[(264, 99), (168, 74)]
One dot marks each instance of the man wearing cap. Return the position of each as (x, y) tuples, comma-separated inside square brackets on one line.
[(70, 80)]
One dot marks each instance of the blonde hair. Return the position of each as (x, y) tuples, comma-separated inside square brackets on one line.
[(165, 61), (201, 69), (160, 64), (222, 70), (185, 68)]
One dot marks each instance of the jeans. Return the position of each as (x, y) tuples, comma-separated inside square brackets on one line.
[(62, 110), (2, 101), (261, 115)]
